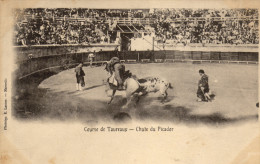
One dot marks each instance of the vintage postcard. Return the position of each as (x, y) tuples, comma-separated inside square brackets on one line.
[(129, 82)]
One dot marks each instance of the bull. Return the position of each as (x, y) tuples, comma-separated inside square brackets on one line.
[(140, 87)]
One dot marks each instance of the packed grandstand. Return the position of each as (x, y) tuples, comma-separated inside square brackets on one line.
[(41, 26)]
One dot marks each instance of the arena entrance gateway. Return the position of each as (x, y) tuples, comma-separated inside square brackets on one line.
[(135, 32)]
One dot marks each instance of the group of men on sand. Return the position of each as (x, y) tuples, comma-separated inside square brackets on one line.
[(117, 70)]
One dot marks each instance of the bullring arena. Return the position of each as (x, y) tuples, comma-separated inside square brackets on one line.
[(234, 102), (45, 77), (233, 83)]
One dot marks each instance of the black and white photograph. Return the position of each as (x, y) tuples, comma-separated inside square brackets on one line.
[(179, 65), (187, 72)]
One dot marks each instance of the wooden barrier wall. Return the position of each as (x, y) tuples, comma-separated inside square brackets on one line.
[(34, 59)]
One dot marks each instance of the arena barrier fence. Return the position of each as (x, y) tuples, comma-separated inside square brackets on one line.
[(31, 60)]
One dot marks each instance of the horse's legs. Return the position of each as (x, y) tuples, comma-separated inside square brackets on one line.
[(138, 98), (165, 94), (131, 88), (106, 90), (107, 86), (112, 97), (142, 93), (128, 98)]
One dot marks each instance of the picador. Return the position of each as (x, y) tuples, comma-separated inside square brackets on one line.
[(117, 73)]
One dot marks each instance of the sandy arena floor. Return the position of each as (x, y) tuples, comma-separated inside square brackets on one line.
[(235, 87)]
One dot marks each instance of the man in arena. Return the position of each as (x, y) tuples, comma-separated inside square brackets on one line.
[(117, 70), (203, 87), (80, 77), (91, 58)]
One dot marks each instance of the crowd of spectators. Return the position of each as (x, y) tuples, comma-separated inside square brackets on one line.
[(223, 31), (139, 13), (86, 26), (172, 14), (227, 32), (33, 33), (43, 27)]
